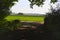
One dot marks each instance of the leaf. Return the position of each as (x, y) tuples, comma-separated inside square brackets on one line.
[(53, 1)]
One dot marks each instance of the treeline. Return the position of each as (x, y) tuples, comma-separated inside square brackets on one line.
[(29, 15)]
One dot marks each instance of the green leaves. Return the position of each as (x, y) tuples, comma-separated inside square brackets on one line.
[(39, 2), (4, 8), (4, 11), (53, 1)]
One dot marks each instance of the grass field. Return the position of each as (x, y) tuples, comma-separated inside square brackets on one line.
[(25, 18)]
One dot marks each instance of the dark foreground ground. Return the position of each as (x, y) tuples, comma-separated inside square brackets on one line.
[(35, 32)]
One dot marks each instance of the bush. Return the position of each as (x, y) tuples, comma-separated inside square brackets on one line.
[(52, 23)]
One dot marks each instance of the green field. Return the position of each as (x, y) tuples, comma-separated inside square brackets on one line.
[(25, 18)]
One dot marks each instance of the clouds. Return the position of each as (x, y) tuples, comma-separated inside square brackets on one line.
[(24, 7)]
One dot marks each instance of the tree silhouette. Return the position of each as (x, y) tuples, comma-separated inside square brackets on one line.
[(39, 2), (52, 23), (20, 14), (4, 11), (4, 8)]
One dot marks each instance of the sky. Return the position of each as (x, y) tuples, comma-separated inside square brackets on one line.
[(23, 6)]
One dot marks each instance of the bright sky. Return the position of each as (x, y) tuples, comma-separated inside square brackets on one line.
[(24, 7)]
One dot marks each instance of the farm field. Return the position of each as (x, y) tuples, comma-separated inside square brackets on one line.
[(25, 18)]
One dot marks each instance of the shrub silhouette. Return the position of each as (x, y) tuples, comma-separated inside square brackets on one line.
[(15, 23), (52, 23), (7, 30)]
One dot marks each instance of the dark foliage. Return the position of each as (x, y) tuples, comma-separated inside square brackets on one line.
[(52, 23), (20, 14), (4, 11), (39, 2), (27, 34), (8, 29), (4, 8)]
